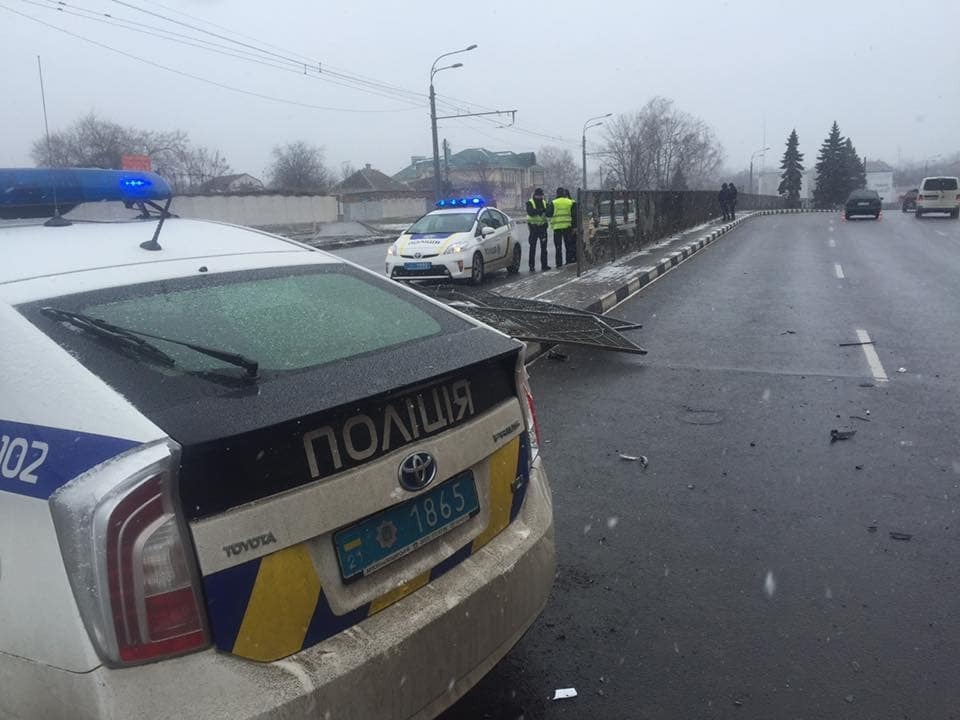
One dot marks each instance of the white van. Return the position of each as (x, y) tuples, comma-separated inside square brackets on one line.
[(939, 195)]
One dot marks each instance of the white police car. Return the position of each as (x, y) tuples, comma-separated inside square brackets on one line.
[(462, 239), (241, 478)]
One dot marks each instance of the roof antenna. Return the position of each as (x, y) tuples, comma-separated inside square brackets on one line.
[(57, 220), (152, 243)]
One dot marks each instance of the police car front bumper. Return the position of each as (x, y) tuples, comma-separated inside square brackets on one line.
[(443, 267), (409, 661)]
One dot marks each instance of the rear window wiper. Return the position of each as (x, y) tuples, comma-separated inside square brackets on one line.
[(133, 339)]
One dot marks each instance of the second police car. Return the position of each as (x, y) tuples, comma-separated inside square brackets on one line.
[(241, 478), (461, 240)]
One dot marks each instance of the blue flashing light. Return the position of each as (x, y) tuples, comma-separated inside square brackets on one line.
[(31, 192), (461, 202)]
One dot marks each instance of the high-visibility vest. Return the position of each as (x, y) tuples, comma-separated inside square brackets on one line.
[(535, 219), (562, 214)]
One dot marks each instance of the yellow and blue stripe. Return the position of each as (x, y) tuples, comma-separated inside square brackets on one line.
[(274, 606)]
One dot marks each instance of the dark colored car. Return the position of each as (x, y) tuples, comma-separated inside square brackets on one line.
[(910, 200), (862, 202)]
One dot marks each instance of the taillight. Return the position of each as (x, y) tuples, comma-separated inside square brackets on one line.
[(529, 409), (128, 556)]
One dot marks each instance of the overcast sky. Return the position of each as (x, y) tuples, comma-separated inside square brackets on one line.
[(886, 71)]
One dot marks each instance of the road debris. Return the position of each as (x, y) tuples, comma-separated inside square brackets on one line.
[(866, 385), (691, 486), (836, 435), (859, 467), (855, 344), (564, 693), (557, 355), (789, 332), (738, 702), (642, 459), (871, 528), (855, 665), (859, 417), (901, 370), (849, 698), (906, 537)]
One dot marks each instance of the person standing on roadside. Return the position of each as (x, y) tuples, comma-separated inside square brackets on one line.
[(732, 200), (537, 225), (560, 212), (723, 198)]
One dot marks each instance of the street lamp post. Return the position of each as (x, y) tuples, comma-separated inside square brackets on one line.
[(583, 137), (761, 151), (433, 116)]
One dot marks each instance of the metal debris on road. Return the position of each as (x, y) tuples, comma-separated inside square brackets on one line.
[(859, 417), (901, 370), (841, 435), (906, 537), (855, 344), (564, 693), (859, 467), (557, 355), (789, 332), (538, 320), (642, 459), (691, 487)]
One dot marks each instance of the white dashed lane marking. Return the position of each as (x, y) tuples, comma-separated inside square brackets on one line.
[(838, 271), (832, 243), (873, 360)]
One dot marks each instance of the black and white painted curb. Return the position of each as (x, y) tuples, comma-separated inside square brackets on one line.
[(648, 275)]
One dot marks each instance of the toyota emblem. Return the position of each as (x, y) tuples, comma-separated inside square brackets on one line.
[(417, 471)]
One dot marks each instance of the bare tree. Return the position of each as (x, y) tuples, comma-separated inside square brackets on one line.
[(94, 142), (647, 149), (299, 167), (559, 168)]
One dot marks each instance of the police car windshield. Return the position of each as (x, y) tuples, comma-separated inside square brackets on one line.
[(444, 223)]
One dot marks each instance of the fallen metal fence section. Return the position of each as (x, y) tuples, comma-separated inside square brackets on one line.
[(538, 321)]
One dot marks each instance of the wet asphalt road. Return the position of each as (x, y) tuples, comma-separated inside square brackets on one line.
[(750, 571)]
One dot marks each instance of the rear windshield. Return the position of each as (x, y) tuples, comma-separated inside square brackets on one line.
[(864, 195), (444, 223), (940, 184), (286, 319)]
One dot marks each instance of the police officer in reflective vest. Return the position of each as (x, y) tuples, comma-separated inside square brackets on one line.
[(537, 224), (560, 211)]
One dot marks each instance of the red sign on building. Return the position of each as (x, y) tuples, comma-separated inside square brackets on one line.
[(135, 162)]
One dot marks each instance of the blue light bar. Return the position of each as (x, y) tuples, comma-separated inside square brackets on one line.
[(461, 202), (30, 192)]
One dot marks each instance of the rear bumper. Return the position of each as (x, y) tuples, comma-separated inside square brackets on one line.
[(862, 210), (409, 662), (937, 207)]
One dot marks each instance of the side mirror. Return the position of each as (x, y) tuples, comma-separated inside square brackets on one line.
[(487, 231)]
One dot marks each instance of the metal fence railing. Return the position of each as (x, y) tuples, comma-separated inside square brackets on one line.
[(612, 223)]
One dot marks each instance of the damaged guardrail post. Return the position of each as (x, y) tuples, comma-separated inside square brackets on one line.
[(581, 228)]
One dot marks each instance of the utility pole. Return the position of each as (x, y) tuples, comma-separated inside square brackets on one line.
[(758, 152), (437, 187), (583, 138)]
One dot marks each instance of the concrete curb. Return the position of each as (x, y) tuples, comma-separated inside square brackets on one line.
[(644, 277), (333, 243)]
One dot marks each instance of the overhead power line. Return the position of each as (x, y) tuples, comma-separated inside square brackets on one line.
[(208, 81)]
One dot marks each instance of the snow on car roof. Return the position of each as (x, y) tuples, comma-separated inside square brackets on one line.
[(36, 250)]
